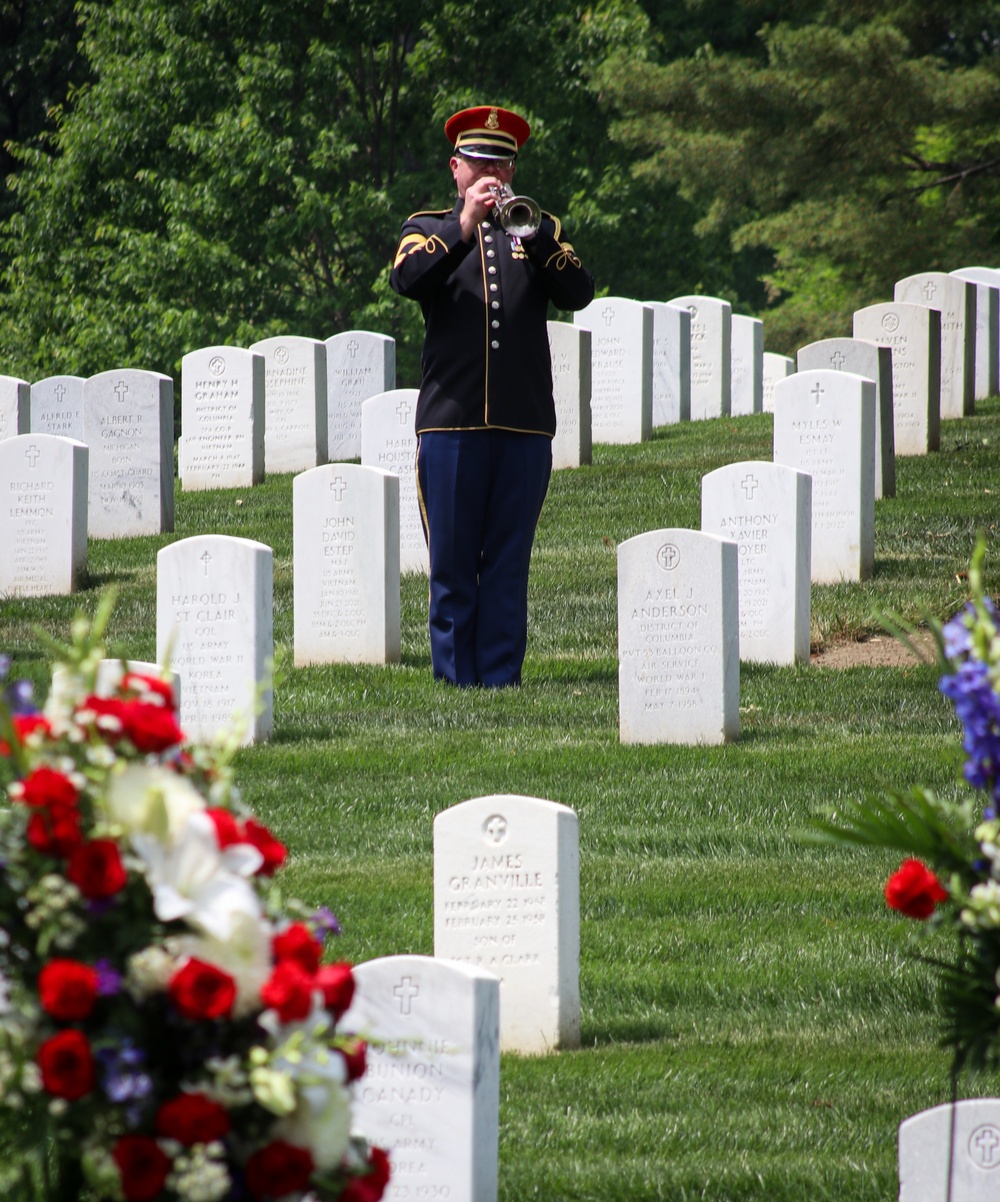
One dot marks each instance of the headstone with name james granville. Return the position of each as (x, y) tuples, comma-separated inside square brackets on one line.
[(214, 625), (222, 416), (678, 638), (621, 393), (15, 407), (671, 363), (388, 442), (128, 424), (430, 1094), (711, 353), (775, 367), (766, 509), (951, 1153), (569, 347), (345, 555), (913, 333), (359, 365), (824, 424), (987, 281), (956, 301), (43, 518), (56, 405), (295, 433), (507, 899), (747, 365)]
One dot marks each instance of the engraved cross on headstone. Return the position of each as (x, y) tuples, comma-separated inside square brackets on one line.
[(121, 391), (817, 392), (352, 348), (206, 559), (749, 485), (60, 391), (337, 486), (609, 315), (403, 409), (929, 289), (986, 1142), (405, 991), (496, 828), (838, 359), (31, 454)]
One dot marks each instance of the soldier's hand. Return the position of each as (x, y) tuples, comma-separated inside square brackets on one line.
[(479, 201)]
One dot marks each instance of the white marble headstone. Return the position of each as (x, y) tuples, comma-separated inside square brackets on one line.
[(569, 347), (222, 416), (359, 365), (507, 898), (678, 638), (747, 360), (388, 442), (711, 353), (431, 1092), (214, 626), (15, 406), (295, 433), (621, 394), (775, 367), (987, 281), (57, 406), (956, 300), (671, 363), (951, 1153), (345, 554)]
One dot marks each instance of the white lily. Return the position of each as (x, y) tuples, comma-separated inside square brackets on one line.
[(149, 799)]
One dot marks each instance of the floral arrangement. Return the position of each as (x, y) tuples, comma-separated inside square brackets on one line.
[(168, 1028)]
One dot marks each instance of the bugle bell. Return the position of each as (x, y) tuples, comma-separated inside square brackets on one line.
[(519, 216)]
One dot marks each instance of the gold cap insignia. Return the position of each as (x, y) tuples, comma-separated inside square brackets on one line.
[(493, 121)]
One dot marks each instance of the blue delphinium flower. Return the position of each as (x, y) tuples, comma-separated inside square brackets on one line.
[(122, 1077), (978, 708)]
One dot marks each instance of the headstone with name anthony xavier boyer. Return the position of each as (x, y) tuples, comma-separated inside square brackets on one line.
[(431, 1092), (671, 363), (956, 301), (987, 281), (569, 347), (678, 638), (359, 365), (951, 1153), (15, 407), (43, 515), (507, 899), (389, 443), (56, 405), (214, 625), (775, 367), (295, 433), (711, 355), (621, 393), (222, 416), (747, 366)]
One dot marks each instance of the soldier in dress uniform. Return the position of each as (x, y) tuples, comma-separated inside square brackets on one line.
[(485, 414)]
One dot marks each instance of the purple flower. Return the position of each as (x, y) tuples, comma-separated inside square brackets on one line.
[(122, 1078), (4, 666), (109, 981), (325, 923), (978, 708), (21, 698)]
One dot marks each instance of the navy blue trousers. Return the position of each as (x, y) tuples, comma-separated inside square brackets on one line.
[(481, 492)]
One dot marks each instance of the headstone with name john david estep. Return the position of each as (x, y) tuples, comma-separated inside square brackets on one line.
[(388, 442), (621, 392), (15, 407), (359, 365), (711, 355), (569, 348), (56, 405), (295, 433), (951, 1153), (956, 301), (222, 416)]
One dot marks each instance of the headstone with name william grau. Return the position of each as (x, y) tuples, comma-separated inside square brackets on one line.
[(621, 393), (569, 348), (388, 442), (359, 365), (222, 416)]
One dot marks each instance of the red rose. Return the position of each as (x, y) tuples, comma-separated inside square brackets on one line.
[(143, 1166), (355, 1059), (274, 853), (289, 990), (280, 1168), (138, 682), (192, 1118), (914, 890), (371, 1187), (227, 829), (97, 870), (67, 989), (201, 990), (24, 725), (150, 727), (337, 984), (66, 1065), (55, 830), (296, 942), (46, 787)]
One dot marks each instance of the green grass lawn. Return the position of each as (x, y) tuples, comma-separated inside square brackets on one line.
[(754, 1025)]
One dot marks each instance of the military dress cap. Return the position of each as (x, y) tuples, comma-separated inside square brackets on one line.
[(487, 132)]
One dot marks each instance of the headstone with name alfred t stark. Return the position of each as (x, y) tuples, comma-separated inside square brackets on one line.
[(359, 365), (569, 347), (15, 408), (56, 405), (956, 301), (621, 393), (222, 416), (388, 442), (295, 432), (951, 1153), (711, 355)]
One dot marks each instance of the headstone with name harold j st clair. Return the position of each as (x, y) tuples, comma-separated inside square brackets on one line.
[(295, 433), (214, 626), (128, 424), (987, 283), (824, 424), (913, 333), (621, 392), (15, 408), (507, 899), (873, 361), (678, 638), (222, 416), (747, 365), (766, 509), (711, 354), (345, 555), (388, 442), (43, 515), (56, 405), (951, 1153), (775, 367), (671, 363), (431, 1092), (956, 300), (359, 365), (569, 347)]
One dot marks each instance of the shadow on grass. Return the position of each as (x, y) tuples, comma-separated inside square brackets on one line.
[(628, 1031)]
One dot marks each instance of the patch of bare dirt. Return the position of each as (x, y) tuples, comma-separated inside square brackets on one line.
[(876, 651)]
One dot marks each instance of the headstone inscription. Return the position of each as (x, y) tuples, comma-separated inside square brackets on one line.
[(711, 353), (507, 899), (621, 394), (747, 365), (56, 405), (570, 350), (671, 363), (431, 1092), (43, 517), (214, 625), (388, 442), (766, 509), (345, 554), (951, 1153), (15, 407), (295, 433), (956, 301), (128, 424), (987, 281), (359, 365), (775, 367), (678, 638), (824, 424), (222, 416)]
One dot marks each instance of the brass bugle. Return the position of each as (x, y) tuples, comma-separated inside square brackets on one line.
[(520, 216)]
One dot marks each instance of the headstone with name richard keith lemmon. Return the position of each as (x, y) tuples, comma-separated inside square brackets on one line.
[(56, 405), (874, 362), (671, 363), (824, 424), (951, 1153), (214, 626), (569, 347), (766, 509), (295, 433), (747, 365), (388, 442), (430, 1094), (711, 354), (678, 638), (913, 334), (775, 367), (222, 416), (128, 424), (359, 365), (345, 554), (621, 392), (507, 899), (15, 407), (987, 283), (43, 515), (956, 301)]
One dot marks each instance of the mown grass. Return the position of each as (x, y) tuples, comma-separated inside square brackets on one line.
[(754, 1023)]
